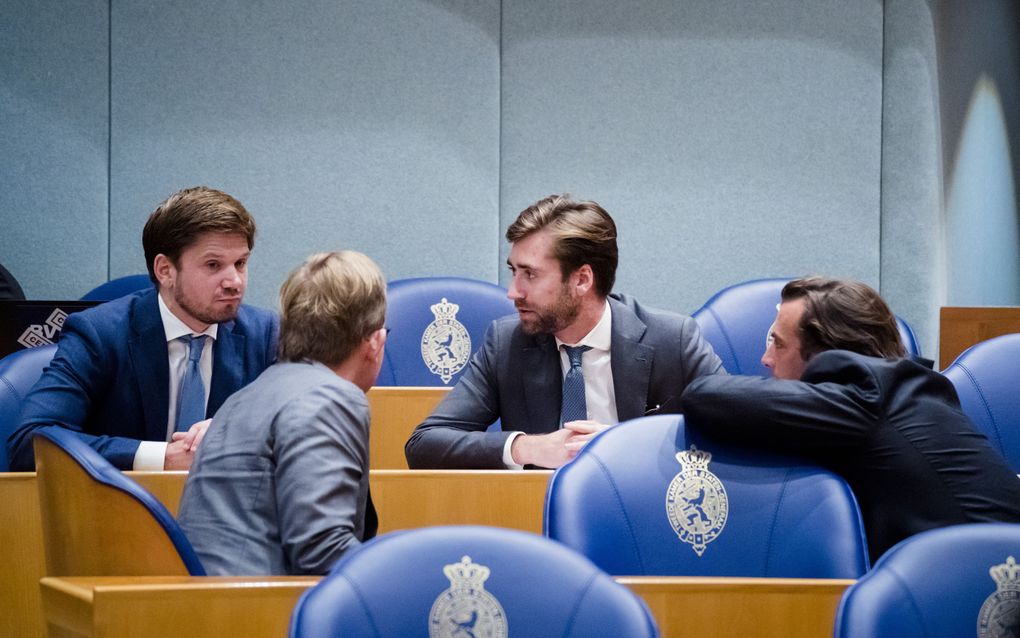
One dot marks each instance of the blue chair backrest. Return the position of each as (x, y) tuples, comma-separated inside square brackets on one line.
[(736, 321), (435, 324), (117, 288), (18, 373), (944, 583), (99, 470), (488, 581), (650, 498), (987, 378)]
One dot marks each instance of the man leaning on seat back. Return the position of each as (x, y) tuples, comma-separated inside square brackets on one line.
[(845, 397), (575, 360), (280, 484), (137, 377)]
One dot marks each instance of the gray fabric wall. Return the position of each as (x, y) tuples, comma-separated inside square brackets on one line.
[(731, 140)]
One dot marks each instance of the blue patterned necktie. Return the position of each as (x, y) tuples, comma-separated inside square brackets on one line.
[(191, 395), (573, 407)]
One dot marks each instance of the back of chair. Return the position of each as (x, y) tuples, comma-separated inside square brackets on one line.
[(18, 373), (736, 321), (435, 324), (98, 522), (117, 288), (987, 378), (943, 583), (649, 498), (468, 581)]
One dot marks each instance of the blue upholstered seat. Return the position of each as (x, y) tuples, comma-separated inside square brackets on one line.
[(403, 583), (736, 321), (944, 583), (18, 373), (430, 342), (630, 505), (97, 521), (117, 288), (987, 378)]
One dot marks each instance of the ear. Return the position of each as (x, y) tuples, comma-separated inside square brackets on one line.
[(374, 345), (584, 279), (164, 270)]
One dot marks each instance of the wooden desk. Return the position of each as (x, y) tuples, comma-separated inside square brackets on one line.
[(254, 607), (404, 499), (960, 328), (395, 413)]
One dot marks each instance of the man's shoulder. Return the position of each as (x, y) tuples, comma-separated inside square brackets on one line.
[(254, 319), (118, 317), (627, 309)]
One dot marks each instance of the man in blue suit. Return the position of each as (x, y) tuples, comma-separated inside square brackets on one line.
[(137, 377), (576, 360)]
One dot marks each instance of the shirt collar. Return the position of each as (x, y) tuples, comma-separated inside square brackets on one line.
[(601, 335), (174, 327)]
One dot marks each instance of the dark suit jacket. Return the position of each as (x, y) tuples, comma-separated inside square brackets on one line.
[(517, 378), (109, 380), (893, 429)]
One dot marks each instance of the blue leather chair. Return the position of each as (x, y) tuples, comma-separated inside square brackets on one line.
[(987, 378), (736, 321), (430, 342), (943, 583), (18, 373), (98, 522), (468, 581), (117, 288), (633, 507)]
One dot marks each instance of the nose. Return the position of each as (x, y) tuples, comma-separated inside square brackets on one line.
[(514, 292), (233, 278), (768, 359)]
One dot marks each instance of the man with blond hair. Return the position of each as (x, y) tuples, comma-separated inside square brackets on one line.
[(575, 360), (280, 484)]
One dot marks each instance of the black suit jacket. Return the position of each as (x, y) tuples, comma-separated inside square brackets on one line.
[(892, 428)]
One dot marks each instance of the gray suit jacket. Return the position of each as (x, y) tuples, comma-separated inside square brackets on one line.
[(518, 378), (280, 483)]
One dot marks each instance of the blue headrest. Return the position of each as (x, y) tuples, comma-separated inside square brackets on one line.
[(943, 583), (18, 373), (987, 379), (430, 342), (630, 505), (117, 288), (402, 583), (100, 470)]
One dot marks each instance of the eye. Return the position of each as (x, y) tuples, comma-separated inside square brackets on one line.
[(212, 265), (241, 264)]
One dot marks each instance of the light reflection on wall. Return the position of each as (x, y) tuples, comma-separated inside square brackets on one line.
[(981, 232)]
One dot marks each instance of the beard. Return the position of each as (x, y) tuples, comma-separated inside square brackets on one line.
[(551, 319), (208, 314)]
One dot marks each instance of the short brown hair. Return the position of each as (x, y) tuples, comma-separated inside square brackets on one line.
[(328, 305), (582, 233), (841, 314), (179, 221)]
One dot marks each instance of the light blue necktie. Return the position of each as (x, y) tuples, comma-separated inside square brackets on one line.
[(191, 396), (573, 407)]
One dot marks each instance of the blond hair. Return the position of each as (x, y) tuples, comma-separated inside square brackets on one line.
[(328, 305)]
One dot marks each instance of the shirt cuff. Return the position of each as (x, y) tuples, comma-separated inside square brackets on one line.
[(508, 459), (149, 457)]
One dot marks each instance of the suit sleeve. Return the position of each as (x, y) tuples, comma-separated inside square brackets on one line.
[(454, 436), (321, 450), (836, 403), (80, 370), (698, 357)]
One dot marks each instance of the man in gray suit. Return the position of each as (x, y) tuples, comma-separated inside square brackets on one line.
[(575, 360), (280, 483)]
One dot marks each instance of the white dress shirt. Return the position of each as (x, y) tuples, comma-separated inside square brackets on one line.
[(599, 392), (151, 454)]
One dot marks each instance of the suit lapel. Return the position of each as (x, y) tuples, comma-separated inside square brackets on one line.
[(543, 381), (631, 362), (148, 353), (228, 366)]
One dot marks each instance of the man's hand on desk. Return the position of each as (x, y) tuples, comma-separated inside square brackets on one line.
[(556, 448), (180, 452)]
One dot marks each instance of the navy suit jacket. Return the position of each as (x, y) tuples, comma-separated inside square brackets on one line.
[(518, 378), (109, 380)]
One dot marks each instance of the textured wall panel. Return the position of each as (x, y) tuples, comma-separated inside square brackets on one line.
[(53, 145)]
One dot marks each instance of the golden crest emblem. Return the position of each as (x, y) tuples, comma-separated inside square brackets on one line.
[(466, 609), (445, 344), (1000, 614), (696, 501)]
